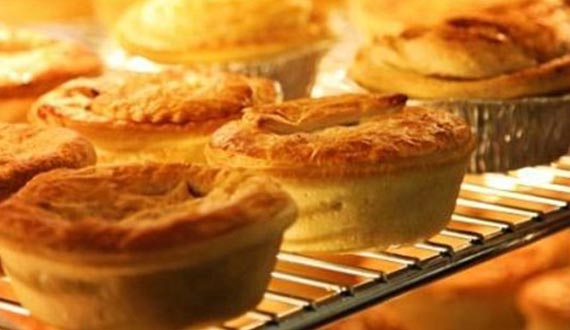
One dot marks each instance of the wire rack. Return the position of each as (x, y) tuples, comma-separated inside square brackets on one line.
[(495, 213)]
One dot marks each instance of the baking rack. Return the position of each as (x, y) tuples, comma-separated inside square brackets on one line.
[(495, 213)]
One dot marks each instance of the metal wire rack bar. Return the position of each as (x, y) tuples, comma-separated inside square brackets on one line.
[(494, 214)]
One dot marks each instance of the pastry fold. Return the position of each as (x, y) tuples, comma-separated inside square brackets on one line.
[(349, 134), (166, 116), (137, 208), (27, 151), (182, 31), (503, 52), (353, 163), (382, 17)]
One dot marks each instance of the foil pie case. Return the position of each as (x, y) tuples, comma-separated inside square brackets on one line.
[(515, 133), (510, 134)]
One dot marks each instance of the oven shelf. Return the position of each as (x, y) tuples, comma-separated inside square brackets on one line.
[(495, 213)]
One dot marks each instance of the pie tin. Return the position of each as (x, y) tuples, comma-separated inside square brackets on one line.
[(515, 133)]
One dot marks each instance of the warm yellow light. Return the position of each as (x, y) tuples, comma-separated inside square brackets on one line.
[(500, 182), (118, 59), (535, 176)]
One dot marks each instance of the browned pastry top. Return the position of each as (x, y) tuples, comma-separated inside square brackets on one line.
[(548, 295), (169, 100), (221, 31), (138, 207), (520, 49), (32, 64), (368, 129), (499, 40), (26, 151)]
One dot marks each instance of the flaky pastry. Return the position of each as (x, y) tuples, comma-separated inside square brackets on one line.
[(142, 246), (26, 151), (166, 116), (281, 40), (32, 64), (388, 17), (352, 163), (189, 31), (504, 52)]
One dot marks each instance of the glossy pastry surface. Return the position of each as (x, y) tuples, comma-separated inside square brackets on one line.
[(151, 116), (352, 163), (387, 17), (504, 52), (137, 208), (186, 31), (142, 246), (31, 64), (26, 151), (342, 134)]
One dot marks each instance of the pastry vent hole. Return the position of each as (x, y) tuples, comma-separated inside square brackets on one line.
[(350, 124), (85, 91), (194, 191)]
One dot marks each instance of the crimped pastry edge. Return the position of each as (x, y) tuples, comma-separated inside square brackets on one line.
[(349, 170), (290, 126), (368, 75), (66, 245)]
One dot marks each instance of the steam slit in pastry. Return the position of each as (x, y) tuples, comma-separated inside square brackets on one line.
[(303, 117), (193, 191)]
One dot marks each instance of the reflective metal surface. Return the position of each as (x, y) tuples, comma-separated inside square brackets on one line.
[(514, 133)]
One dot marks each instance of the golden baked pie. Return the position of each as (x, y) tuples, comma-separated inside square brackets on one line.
[(142, 246), (32, 64), (504, 52), (165, 117), (389, 17), (545, 300), (27, 151), (282, 40), (186, 31), (354, 163), (483, 297)]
